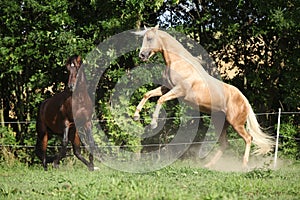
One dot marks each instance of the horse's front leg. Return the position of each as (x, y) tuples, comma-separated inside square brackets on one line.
[(75, 139), (91, 143), (172, 94), (152, 93), (63, 151)]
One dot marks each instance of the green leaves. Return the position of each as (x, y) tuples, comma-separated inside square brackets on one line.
[(38, 36)]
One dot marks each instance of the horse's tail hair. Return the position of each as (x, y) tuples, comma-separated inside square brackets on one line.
[(38, 146), (264, 142)]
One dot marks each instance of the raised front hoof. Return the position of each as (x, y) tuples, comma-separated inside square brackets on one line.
[(136, 117), (153, 125)]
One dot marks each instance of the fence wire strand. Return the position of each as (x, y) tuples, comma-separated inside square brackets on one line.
[(148, 145), (160, 118)]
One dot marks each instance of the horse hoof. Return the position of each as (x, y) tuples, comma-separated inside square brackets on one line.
[(55, 165), (92, 168), (136, 117), (96, 168), (153, 125), (208, 165)]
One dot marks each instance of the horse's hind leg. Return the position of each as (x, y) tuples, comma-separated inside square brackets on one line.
[(41, 147), (220, 126), (238, 123), (248, 139), (41, 142)]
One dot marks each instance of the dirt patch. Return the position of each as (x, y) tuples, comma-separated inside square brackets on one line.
[(230, 162)]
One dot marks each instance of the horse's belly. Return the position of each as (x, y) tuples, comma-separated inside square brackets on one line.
[(201, 108), (205, 104), (57, 123)]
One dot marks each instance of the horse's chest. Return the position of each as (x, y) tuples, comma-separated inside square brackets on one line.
[(63, 115), (169, 78)]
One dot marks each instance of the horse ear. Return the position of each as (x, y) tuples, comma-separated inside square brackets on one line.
[(79, 60), (68, 64), (156, 27), (145, 27)]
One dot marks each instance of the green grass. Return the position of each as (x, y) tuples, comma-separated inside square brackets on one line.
[(178, 181)]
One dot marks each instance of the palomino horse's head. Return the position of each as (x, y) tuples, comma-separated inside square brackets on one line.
[(73, 66), (151, 43)]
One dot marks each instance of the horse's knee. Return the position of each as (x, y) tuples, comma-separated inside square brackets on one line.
[(77, 152), (147, 95), (161, 100)]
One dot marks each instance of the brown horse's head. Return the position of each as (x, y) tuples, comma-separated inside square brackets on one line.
[(151, 43), (73, 66)]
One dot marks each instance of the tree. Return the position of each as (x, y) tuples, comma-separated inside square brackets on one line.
[(257, 40), (37, 38)]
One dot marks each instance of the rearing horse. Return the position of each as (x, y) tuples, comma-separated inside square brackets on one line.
[(187, 79), (57, 115)]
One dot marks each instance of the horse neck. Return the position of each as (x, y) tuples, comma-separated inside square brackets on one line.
[(171, 47), (81, 83), (173, 51)]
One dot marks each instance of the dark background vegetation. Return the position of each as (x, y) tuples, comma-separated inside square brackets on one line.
[(257, 41)]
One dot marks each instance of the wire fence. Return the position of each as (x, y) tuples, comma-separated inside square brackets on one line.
[(160, 118), (156, 144)]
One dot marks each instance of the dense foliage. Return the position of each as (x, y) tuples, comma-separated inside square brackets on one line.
[(258, 40)]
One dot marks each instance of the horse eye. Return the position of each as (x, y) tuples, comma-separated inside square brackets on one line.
[(149, 39)]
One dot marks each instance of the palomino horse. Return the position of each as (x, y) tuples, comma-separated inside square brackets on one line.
[(58, 115), (187, 79)]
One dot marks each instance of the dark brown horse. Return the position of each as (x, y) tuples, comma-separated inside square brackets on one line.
[(59, 114)]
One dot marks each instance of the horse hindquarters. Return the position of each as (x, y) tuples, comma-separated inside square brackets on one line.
[(237, 114)]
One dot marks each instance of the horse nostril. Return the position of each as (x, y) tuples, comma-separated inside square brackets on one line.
[(142, 55), (71, 87)]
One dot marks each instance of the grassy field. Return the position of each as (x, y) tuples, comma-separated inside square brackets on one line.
[(181, 180)]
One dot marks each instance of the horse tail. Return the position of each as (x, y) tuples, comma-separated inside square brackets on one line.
[(40, 134), (38, 125), (264, 142)]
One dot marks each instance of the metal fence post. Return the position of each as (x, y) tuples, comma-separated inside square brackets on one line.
[(277, 139)]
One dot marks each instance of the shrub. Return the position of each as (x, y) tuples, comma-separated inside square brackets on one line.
[(288, 145)]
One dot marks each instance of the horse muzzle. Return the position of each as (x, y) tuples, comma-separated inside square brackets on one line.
[(71, 87), (145, 55)]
